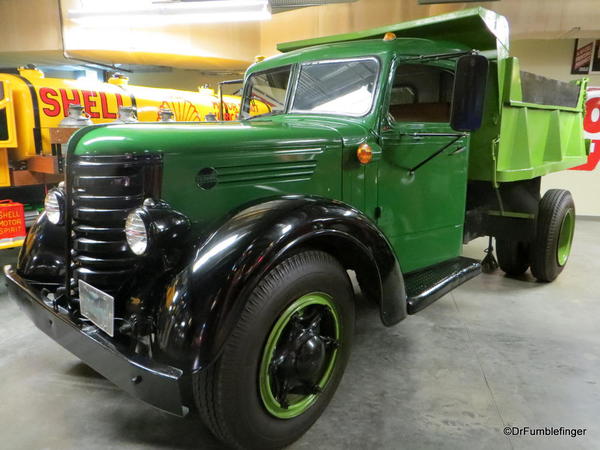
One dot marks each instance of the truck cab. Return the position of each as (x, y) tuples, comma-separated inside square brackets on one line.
[(379, 95), (207, 265)]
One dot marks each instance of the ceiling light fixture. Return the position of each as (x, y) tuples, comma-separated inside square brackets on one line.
[(150, 14)]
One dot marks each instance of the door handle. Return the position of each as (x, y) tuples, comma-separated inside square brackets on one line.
[(457, 151)]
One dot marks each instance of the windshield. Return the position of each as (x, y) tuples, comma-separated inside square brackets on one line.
[(336, 87), (266, 89)]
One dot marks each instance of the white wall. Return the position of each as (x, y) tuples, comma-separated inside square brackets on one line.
[(188, 80), (552, 58)]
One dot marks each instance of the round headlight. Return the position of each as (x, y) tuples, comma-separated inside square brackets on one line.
[(136, 233), (54, 204)]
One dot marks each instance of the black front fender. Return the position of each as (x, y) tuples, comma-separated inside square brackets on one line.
[(42, 257), (205, 299)]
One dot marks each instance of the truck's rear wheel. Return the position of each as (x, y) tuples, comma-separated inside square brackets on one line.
[(555, 228), (513, 256), (285, 357)]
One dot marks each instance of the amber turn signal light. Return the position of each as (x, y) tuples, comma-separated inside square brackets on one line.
[(364, 153), (389, 37)]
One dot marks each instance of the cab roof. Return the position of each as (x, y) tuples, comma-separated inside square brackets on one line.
[(364, 48)]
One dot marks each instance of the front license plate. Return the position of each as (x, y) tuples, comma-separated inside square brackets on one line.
[(97, 306)]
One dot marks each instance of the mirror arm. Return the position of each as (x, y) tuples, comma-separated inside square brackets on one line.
[(456, 136), (418, 134), (221, 84)]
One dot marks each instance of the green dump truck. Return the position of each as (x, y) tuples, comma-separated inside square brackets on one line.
[(205, 266)]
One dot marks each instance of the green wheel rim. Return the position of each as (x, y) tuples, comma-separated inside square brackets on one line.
[(297, 404), (565, 238)]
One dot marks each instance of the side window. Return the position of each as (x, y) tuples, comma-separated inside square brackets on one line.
[(268, 87), (421, 93)]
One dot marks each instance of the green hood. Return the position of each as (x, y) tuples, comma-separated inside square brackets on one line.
[(212, 168)]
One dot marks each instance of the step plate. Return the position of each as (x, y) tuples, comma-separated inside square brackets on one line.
[(426, 286)]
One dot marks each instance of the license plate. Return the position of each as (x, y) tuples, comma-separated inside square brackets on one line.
[(97, 306)]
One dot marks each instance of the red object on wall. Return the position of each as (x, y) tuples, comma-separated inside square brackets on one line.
[(591, 125), (12, 219), (593, 158)]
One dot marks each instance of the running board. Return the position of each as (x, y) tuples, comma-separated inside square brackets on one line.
[(426, 286)]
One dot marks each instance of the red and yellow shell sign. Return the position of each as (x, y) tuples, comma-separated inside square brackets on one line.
[(98, 105), (103, 105), (12, 220)]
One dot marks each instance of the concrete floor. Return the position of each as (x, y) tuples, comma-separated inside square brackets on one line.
[(496, 352)]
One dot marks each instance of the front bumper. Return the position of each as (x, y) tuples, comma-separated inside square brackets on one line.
[(157, 384)]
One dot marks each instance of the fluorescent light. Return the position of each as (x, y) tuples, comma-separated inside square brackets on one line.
[(147, 14)]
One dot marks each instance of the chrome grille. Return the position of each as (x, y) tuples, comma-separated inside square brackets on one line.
[(103, 190)]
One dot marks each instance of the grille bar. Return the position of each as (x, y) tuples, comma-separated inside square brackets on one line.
[(104, 189)]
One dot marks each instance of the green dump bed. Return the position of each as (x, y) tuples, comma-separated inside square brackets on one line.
[(532, 125)]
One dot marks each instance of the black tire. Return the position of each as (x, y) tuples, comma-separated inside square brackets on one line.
[(227, 393), (513, 256), (553, 210)]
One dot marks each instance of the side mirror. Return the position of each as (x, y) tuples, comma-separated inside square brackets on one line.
[(468, 97)]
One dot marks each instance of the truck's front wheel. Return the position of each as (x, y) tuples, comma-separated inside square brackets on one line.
[(555, 228), (285, 357)]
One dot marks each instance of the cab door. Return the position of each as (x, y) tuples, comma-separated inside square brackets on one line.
[(422, 175)]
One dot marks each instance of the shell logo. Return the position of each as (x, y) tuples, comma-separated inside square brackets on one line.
[(591, 125), (184, 110), (232, 111)]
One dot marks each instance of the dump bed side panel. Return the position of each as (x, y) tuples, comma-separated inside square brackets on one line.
[(540, 129)]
